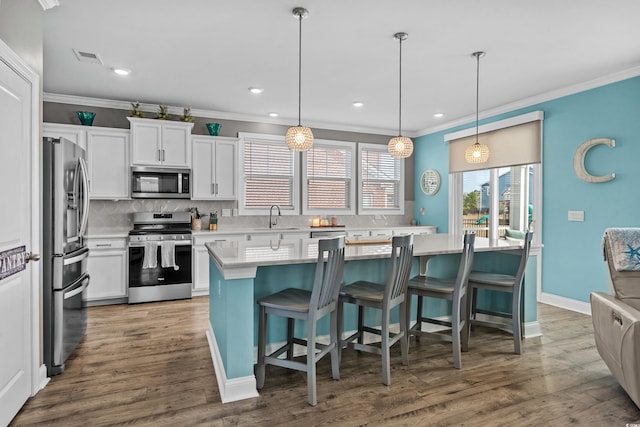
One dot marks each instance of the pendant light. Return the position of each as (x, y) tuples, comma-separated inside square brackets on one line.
[(400, 146), (477, 153), (299, 138)]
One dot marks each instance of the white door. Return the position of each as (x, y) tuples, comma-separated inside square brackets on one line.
[(15, 231)]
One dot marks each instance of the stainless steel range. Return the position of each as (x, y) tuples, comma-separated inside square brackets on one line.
[(160, 256)]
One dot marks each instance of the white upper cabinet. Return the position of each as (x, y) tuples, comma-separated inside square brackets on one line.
[(107, 157), (214, 163), (160, 142), (108, 152), (74, 133)]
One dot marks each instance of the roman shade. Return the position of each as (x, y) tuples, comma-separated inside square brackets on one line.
[(511, 142)]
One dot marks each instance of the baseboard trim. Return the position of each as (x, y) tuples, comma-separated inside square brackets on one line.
[(566, 303), (43, 379), (530, 329), (231, 390)]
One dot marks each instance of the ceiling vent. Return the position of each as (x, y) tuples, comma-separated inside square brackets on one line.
[(92, 58)]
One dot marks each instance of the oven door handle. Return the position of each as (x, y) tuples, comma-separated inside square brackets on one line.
[(76, 291), (178, 243)]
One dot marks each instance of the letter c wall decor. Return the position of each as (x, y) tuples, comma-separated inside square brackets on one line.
[(581, 152)]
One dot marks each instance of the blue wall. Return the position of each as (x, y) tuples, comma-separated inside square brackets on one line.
[(572, 265)]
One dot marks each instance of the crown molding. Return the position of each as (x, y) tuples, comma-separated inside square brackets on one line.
[(48, 4), (209, 114), (537, 99)]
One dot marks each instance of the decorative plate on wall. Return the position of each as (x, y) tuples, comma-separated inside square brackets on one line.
[(430, 182)]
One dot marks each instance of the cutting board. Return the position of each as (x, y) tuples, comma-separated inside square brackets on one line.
[(368, 242)]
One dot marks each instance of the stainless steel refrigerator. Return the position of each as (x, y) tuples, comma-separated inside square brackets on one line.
[(65, 254)]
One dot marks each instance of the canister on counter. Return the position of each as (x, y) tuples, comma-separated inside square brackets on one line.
[(213, 220)]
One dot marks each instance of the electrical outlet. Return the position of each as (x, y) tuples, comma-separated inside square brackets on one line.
[(226, 212), (576, 216)]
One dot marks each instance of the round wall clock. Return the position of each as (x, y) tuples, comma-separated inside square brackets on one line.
[(430, 182)]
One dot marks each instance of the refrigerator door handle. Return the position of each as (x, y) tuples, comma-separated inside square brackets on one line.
[(77, 258), (86, 278), (85, 197)]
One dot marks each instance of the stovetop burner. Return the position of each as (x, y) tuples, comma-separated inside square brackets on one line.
[(162, 224)]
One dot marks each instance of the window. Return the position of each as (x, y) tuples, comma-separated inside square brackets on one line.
[(512, 206), (504, 193), (381, 185), (328, 170), (268, 175)]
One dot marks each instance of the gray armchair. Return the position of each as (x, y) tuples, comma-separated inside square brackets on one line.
[(616, 317)]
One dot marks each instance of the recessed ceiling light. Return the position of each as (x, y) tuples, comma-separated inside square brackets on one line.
[(274, 114), (358, 103), (121, 71), (255, 90), (438, 115)]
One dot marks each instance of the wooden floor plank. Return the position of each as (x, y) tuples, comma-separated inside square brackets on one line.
[(149, 364)]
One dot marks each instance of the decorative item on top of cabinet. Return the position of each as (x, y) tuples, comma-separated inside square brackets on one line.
[(86, 117), (186, 115), (213, 171), (163, 112), (135, 110), (160, 142)]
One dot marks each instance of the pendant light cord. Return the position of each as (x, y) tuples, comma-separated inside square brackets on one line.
[(299, 66), (400, 92), (478, 55)]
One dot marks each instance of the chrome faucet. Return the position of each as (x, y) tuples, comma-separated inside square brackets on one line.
[(271, 221)]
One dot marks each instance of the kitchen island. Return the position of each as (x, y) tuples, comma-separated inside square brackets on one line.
[(241, 272)]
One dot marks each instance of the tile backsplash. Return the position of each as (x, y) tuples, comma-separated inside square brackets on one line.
[(107, 217)]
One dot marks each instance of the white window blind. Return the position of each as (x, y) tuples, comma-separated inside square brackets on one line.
[(328, 176), (381, 184), (268, 174)]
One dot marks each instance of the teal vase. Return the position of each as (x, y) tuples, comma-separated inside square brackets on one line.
[(86, 117)]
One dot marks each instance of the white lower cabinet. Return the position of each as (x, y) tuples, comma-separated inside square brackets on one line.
[(200, 273), (427, 229), (108, 268)]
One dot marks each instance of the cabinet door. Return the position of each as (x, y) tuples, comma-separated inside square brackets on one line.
[(200, 271), (225, 169), (145, 142), (176, 145), (202, 171), (108, 269), (73, 133), (108, 152)]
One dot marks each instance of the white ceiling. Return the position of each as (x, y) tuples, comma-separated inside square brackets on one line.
[(206, 54)]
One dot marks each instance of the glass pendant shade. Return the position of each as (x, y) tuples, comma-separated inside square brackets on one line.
[(476, 153), (299, 138), (400, 147)]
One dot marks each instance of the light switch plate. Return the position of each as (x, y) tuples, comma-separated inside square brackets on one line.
[(576, 216)]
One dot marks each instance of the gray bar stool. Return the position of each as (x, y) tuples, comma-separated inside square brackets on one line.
[(502, 283), (454, 290), (294, 303), (384, 298)]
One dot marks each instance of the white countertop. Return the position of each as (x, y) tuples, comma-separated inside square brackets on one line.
[(251, 230), (240, 259)]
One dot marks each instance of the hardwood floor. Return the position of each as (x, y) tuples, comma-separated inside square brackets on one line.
[(149, 364)]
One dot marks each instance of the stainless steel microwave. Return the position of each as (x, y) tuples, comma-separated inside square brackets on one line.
[(160, 183)]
